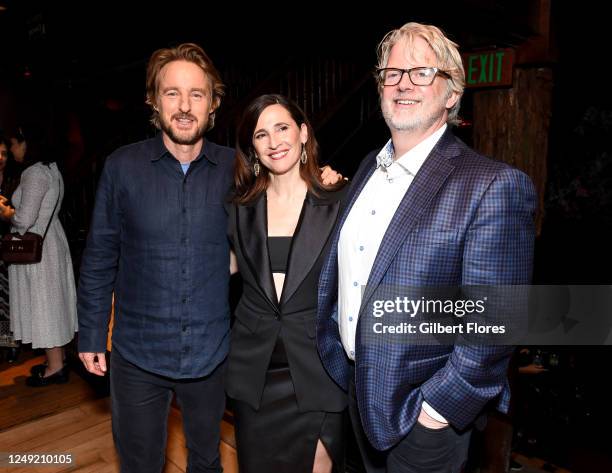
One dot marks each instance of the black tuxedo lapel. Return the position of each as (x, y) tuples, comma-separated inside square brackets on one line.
[(253, 233), (426, 184), (316, 223)]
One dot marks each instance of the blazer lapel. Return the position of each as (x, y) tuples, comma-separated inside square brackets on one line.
[(316, 223), (426, 184), (328, 282), (361, 179), (253, 234)]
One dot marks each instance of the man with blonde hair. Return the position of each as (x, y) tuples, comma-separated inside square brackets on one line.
[(424, 211)]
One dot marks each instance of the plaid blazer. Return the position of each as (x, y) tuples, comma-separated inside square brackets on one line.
[(465, 220)]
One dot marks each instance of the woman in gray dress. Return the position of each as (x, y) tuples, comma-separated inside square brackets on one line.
[(9, 179), (42, 295)]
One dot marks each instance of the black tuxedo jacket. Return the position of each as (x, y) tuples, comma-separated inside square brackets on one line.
[(260, 317)]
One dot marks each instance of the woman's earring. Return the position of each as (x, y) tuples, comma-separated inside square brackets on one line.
[(256, 167), (304, 156)]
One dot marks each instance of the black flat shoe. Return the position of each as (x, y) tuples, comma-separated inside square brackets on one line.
[(13, 354), (38, 380), (38, 369)]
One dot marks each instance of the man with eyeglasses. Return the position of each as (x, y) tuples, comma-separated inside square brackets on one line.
[(425, 211)]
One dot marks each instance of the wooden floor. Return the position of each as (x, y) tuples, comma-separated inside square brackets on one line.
[(535, 465), (20, 403), (69, 419)]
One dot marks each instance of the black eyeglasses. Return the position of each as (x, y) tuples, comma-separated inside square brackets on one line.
[(389, 76)]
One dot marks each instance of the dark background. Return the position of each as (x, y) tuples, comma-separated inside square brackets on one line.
[(77, 70)]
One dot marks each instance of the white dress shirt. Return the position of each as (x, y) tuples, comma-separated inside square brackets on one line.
[(365, 227)]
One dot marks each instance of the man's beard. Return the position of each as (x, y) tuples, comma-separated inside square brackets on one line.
[(191, 139), (406, 124), (415, 122)]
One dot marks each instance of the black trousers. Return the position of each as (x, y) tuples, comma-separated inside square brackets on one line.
[(140, 405), (423, 450)]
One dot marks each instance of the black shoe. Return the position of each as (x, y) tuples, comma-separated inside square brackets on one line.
[(38, 369), (515, 466), (12, 354), (38, 380)]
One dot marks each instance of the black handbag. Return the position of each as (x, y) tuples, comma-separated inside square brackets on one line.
[(22, 249), (26, 248)]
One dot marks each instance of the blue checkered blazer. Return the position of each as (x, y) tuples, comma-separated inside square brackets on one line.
[(465, 220)]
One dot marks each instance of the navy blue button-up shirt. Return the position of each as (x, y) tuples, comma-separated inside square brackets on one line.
[(158, 241)]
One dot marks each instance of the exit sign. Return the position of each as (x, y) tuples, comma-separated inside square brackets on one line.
[(492, 68)]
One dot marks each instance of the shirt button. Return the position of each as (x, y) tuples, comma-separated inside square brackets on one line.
[(350, 319), (373, 212), (355, 284), (352, 353), (361, 248)]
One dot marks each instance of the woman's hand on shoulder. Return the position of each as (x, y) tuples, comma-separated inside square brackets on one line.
[(329, 176)]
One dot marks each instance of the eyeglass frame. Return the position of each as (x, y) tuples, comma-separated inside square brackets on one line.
[(408, 71)]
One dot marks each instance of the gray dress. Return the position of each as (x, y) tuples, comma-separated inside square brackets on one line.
[(42, 295)]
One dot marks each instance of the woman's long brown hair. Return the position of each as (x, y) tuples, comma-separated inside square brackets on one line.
[(248, 186)]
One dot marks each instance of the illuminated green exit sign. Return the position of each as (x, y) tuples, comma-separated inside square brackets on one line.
[(492, 68)]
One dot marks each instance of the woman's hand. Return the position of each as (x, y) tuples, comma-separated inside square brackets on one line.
[(6, 211), (233, 263), (329, 176)]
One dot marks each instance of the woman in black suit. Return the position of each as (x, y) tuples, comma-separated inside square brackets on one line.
[(288, 411)]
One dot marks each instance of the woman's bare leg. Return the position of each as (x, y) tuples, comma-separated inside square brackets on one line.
[(55, 360), (322, 462)]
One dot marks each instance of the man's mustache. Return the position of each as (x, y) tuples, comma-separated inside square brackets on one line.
[(183, 116)]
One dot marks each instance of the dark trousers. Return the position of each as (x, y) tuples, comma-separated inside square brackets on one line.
[(140, 405), (423, 450)]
